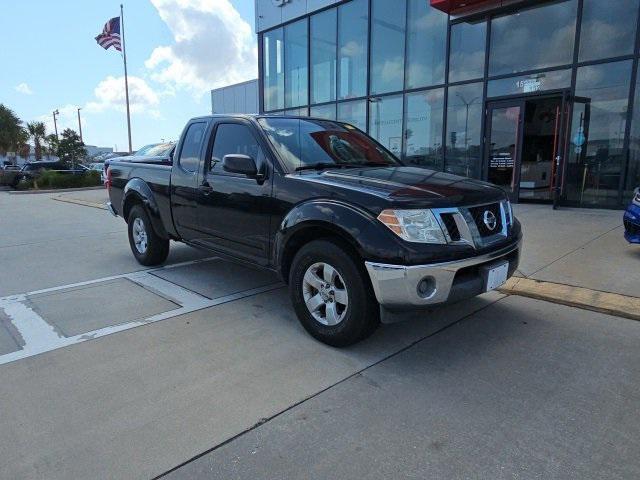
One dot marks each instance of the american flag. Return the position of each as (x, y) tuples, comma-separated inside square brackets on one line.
[(110, 36)]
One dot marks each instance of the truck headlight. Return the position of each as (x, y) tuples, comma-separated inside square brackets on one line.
[(636, 198), (413, 225)]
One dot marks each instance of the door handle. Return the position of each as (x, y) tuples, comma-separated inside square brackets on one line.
[(205, 188)]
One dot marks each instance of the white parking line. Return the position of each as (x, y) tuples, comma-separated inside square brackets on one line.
[(39, 336)]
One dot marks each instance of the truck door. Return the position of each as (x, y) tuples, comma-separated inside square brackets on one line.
[(184, 180), (233, 209)]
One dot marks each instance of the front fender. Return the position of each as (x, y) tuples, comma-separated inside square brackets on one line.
[(138, 191), (353, 224)]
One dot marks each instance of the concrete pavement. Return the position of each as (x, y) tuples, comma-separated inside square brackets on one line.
[(522, 389), (580, 247), (498, 387)]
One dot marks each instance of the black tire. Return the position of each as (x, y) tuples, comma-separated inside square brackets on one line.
[(361, 316), (157, 248)]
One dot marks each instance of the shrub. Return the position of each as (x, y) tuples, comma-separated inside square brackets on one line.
[(51, 180), (24, 184)]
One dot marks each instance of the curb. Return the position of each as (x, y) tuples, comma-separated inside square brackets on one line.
[(54, 190), (579, 297)]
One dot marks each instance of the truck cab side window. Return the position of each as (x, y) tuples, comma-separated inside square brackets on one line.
[(234, 138), (190, 150)]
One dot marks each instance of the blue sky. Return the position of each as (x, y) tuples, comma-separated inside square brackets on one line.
[(177, 50)]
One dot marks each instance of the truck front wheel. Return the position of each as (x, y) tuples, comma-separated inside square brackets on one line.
[(331, 295), (148, 248)]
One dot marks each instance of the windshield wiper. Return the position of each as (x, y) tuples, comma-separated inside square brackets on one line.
[(325, 165)]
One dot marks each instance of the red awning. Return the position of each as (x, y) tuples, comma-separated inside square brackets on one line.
[(449, 6)]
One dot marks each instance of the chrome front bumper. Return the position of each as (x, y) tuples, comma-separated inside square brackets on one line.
[(396, 286)]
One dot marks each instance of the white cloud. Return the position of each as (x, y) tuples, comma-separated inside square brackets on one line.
[(24, 89), (110, 95), (213, 46)]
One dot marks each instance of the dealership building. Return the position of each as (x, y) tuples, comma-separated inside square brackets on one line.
[(540, 97)]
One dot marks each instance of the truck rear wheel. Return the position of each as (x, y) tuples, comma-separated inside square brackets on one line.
[(331, 295), (148, 248)]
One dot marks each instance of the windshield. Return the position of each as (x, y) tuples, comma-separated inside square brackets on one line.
[(323, 144), (155, 150)]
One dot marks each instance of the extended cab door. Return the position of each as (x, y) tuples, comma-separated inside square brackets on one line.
[(233, 209), (184, 179)]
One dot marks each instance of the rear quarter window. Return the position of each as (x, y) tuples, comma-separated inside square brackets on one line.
[(191, 146)]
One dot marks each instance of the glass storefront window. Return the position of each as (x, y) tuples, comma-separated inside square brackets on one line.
[(354, 113), (323, 56), (597, 157), (464, 126), (296, 40), (387, 45), (298, 112), (424, 113), (426, 44), (468, 42), (324, 111), (537, 37), (273, 67), (385, 122), (537, 82), (353, 26), (608, 28), (633, 172)]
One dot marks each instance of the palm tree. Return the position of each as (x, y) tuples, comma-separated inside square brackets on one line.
[(38, 132), (10, 128), (22, 143)]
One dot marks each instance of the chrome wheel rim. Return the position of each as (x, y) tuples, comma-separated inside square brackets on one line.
[(325, 294), (139, 235)]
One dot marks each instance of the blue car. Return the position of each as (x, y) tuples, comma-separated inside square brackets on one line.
[(632, 220)]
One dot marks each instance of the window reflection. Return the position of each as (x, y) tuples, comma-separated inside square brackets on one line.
[(387, 45), (468, 42), (273, 70), (353, 26), (324, 111), (464, 125), (296, 70), (534, 38), (426, 44), (323, 56), (423, 128), (354, 113), (298, 112), (385, 122), (599, 117), (633, 172), (608, 28)]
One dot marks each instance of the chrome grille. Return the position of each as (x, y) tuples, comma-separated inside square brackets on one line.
[(478, 214), (466, 225)]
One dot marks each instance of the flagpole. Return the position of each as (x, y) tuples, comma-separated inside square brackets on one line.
[(126, 80)]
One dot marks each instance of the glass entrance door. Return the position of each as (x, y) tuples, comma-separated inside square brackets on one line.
[(504, 145)]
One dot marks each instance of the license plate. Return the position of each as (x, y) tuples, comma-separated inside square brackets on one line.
[(496, 276)]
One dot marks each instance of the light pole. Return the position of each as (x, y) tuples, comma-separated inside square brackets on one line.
[(466, 125), (80, 124), (55, 123)]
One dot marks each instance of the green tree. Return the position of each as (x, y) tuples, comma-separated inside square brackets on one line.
[(70, 148), (22, 143), (10, 130), (37, 132), (51, 144)]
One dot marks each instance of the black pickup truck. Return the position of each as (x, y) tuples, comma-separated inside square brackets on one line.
[(333, 212)]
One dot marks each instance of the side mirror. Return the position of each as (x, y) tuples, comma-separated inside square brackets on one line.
[(238, 163)]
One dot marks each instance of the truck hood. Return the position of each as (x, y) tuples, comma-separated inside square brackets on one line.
[(408, 186)]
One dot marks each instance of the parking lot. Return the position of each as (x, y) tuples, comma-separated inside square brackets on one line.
[(199, 369)]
